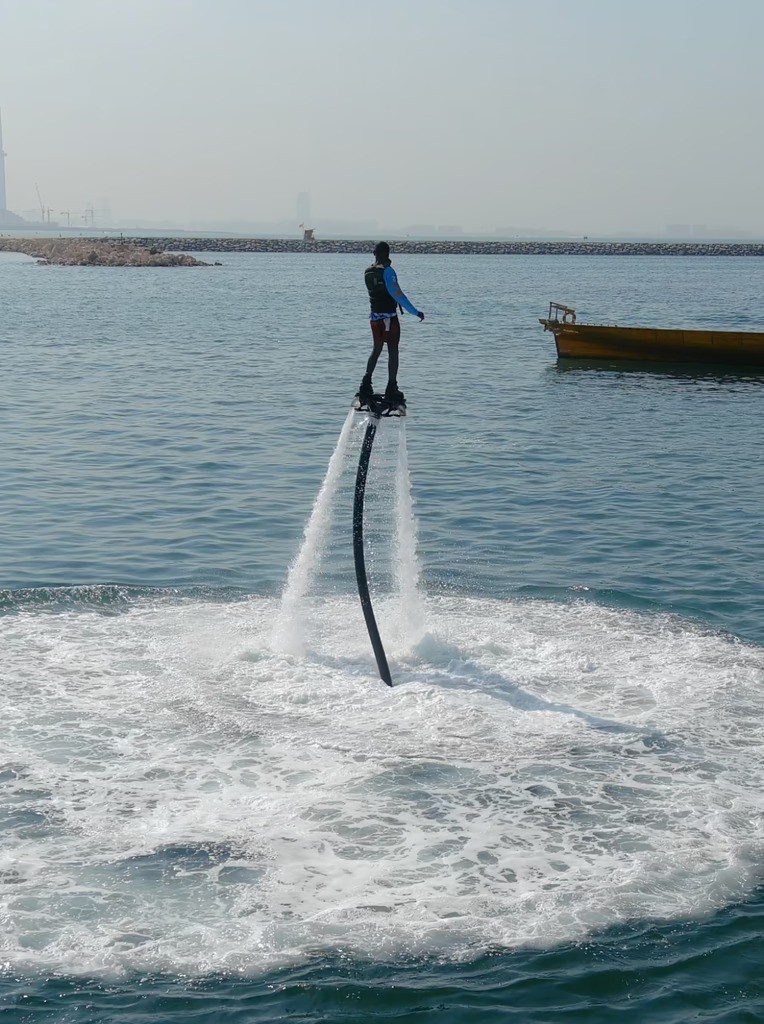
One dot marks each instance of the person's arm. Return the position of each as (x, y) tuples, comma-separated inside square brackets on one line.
[(391, 283)]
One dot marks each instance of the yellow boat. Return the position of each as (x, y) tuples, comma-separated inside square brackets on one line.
[(603, 341)]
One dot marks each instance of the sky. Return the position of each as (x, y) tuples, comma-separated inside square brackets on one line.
[(590, 117)]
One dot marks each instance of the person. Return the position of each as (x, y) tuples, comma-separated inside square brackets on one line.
[(385, 298)]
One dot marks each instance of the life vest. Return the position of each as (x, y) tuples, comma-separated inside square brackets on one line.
[(380, 298)]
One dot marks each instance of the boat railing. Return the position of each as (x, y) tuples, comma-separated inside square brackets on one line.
[(561, 314)]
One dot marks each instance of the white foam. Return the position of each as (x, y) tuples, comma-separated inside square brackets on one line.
[(178, 797)]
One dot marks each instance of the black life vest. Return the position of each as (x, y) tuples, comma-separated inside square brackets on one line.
[(380, 298)]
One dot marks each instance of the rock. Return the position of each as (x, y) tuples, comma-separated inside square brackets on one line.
[(173, 252), (89, 252)]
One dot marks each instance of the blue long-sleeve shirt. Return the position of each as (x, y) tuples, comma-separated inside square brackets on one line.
[(394, 289)]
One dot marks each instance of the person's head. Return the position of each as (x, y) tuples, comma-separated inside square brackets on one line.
[(381, 252)]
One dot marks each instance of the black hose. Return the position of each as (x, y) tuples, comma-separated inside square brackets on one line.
[(360, 561)]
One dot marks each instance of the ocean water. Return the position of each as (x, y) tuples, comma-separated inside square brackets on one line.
[(211, 809)]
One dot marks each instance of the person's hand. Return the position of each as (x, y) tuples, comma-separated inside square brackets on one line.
[(420, 315)]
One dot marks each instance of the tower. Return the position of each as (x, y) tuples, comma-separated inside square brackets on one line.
[(3, 206), (7, 219)]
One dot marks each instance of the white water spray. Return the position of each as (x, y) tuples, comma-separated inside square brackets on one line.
[(405, 561), (403, 616), (289, 634)]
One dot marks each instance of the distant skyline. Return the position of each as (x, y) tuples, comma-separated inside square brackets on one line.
[(578, 117)]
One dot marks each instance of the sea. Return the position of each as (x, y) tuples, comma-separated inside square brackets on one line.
[(213, 809)]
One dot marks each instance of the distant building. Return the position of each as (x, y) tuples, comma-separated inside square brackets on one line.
[(7, 219)]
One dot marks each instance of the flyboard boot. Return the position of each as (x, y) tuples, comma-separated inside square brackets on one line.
[(364, 395), (395, 400)]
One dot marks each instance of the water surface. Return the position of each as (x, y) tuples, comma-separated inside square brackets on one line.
[(556, 812)]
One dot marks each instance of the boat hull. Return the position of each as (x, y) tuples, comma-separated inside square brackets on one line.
[(594, 341)]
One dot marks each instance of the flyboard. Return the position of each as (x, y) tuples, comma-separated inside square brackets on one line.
[(376, 407)]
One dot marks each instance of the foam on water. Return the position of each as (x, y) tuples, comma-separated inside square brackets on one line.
[(176, 796)]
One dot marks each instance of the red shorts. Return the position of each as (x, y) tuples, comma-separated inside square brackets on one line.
[(392, 336)]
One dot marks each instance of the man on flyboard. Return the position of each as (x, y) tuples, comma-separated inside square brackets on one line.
[(385, 298)]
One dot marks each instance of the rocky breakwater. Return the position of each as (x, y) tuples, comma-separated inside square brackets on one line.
[(89, 252), (462, 247)]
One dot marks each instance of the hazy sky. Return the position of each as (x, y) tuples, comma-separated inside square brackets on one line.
[(592, 116)]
